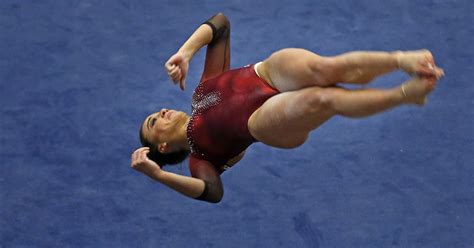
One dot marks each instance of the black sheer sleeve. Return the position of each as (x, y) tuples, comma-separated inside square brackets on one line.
[(218, 50), (220, 26), (213, 191)]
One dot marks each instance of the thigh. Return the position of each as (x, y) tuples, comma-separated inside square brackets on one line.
[(286, 119), (293, 69)]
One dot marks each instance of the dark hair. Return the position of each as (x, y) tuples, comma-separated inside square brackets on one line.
[(162, 159)]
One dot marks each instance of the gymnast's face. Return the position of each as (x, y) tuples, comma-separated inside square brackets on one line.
[(161, 128)]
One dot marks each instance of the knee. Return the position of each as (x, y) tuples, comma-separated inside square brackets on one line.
[(324, 69), (290, 141), (317, 100)]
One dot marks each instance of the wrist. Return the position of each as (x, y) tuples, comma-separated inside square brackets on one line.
[(201, 37), (155, 173), (158, 174), (186, 54)]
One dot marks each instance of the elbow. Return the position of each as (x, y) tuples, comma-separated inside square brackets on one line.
[(217, 198), (220, 27), (220, 16), (212, 193), (211, 199)]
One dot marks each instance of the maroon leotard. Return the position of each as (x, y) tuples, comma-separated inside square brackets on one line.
[(221, 107)]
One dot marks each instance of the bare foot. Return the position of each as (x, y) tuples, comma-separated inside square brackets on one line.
[(420, 62), (416, 90)]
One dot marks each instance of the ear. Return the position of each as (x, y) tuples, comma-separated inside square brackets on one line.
[(163, 147)]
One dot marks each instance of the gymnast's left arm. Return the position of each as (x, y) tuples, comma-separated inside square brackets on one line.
[(178, 64), (207, 33)]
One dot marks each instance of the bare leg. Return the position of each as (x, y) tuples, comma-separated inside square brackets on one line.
[(292, 69), (367, 102), (286, 119), (360, 67)]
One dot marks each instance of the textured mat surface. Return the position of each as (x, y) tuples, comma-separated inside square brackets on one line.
[(78, 77)]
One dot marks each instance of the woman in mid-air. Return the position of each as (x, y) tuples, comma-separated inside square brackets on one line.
[(277, 102)]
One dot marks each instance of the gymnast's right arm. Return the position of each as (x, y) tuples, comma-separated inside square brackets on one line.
[(205, 184)]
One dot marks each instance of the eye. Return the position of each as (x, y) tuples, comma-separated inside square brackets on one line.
[(153, 122)]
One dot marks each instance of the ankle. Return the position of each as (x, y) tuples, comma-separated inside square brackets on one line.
[(404, 93), (397, 56), (400, 94)]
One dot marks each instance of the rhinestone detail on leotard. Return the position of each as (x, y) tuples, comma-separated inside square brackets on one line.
[(200, 103)]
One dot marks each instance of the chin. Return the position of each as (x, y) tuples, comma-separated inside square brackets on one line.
[(180, 115)]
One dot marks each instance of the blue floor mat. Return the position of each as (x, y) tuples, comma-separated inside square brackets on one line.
[(78, 77)]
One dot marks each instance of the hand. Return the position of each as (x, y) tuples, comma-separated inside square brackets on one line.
[(177, 68), (142, 163)]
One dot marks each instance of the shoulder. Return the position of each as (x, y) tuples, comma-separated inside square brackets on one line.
[(201, 168)]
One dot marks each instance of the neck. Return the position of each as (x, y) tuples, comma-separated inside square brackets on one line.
[(183, 136)]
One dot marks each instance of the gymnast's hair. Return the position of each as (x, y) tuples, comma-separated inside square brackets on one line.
[(162, 159)]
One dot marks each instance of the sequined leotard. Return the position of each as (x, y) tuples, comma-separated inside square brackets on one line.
[(221, 107)]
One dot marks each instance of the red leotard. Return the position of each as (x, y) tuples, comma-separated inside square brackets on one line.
[(217, 130)]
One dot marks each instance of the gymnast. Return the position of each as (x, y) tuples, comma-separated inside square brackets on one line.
[(277, 102)]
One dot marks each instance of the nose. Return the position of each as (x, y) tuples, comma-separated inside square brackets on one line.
[(163, 112)]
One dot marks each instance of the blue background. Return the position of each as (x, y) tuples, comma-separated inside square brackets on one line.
[(78, 77)]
